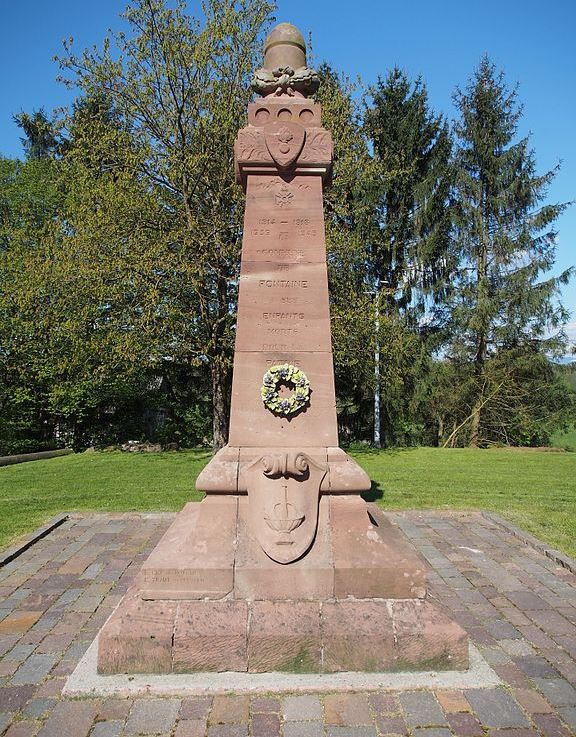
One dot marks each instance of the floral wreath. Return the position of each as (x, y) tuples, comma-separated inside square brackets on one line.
[(285, 374)]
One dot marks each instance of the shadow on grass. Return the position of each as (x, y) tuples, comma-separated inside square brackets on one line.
[(373, 494)]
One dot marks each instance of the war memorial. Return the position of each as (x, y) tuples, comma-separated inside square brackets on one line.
[(283, 566), (283, 604)]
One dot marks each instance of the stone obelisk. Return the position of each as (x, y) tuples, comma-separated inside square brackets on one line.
[(282, 566)]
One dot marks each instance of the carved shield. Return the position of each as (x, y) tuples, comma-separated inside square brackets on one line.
[(283, 499), (284, 141)]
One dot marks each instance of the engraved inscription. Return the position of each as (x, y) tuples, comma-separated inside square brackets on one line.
[(284, 283), (281, 252), (174, 575), (283, 315), (281, 359), (282, 331)]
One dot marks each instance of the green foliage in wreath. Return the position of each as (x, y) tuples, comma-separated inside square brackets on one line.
[(285, 374)]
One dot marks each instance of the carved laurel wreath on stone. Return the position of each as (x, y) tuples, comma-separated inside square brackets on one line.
[(285, 374)]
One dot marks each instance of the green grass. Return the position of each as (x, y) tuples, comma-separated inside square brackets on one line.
[(535, 490), (565, 440), (103, 482)]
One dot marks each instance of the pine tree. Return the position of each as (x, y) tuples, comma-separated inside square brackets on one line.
[(413, 147), (505, 238), (409, 253)]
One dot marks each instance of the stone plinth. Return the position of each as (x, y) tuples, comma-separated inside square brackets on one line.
[(265, 636), (357, 601)]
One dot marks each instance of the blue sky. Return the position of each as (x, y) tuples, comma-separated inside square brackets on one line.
[(533, 42)]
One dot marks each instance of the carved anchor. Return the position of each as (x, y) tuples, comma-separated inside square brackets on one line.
[(291, 480), (283, 522)]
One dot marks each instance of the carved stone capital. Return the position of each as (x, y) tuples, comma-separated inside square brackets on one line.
[(278, 147)]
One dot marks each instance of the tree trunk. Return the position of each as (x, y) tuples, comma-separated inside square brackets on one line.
[(482, 289), (440, 431), (475, 426), (220, 406)]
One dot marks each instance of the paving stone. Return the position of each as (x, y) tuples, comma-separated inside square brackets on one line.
[(551, 622), (5, 719), (7, 667), (265, 725), (551, 726), (431, 732), (22, 729), (52, 688), (37, 708), (195, 707), (107, 729), (19, 621), (13, 698), (303, 729), (421, 709), (536, 667), (516, 647), (568, 715), (228, 730), (465, 725), (150, 716), (495, 708), (19, 653), (527, 600), (512, 675), (301, 708), (190, 728), (452, 701), (70, 718), (261, 704), (384, 703), (230, 709), (362, 731), (532, 701), (114, 709), (502, 630), (496, 655), (347, 709), (558, 691), (514, 732), (34, 670), (391, 725)]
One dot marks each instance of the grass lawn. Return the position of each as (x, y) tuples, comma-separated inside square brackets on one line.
[(535, 490)]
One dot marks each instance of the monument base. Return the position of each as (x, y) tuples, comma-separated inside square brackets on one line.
[(209, 599)]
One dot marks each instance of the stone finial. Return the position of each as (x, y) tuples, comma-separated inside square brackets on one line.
[(285, 71)]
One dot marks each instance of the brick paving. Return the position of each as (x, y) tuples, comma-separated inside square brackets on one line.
[(518, 606)]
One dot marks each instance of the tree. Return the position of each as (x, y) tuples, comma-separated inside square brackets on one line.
[(505, 239), (409, 258), (41, 138), (29, 203), (177, 90), (350, 206), (412, 146)]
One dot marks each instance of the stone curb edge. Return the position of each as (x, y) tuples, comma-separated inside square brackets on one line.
[(8, 555), (555, 555)]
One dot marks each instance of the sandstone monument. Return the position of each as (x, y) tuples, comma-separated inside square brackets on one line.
[(282, 566)]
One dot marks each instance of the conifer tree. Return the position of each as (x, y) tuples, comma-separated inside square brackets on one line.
[(413, 147), (504, 299)]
